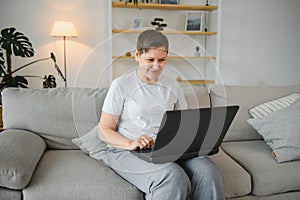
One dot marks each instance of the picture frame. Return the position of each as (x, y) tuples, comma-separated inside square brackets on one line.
[(194, 21), (137, 23), (169, 1)]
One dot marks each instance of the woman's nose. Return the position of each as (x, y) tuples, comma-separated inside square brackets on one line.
[(155, 65)]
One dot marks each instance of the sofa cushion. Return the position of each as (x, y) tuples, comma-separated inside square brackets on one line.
[(57, 114), (281, 131), (246, 97), (8, 194), (266, 108), (268, 176), (283, 196), (91, 144), (236, 180), (71, 174), (20, 151)]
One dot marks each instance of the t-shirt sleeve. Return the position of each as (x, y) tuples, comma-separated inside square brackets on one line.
[(114, 100)]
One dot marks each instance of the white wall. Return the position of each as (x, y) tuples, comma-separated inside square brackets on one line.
[(260, 39), (260, 42)]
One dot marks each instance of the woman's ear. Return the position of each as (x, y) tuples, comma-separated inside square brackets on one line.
[(136, 55)]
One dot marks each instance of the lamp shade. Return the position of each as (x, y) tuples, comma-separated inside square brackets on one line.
[(64, 28)]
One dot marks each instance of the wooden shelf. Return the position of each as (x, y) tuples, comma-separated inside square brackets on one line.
[(196, 82), (192, 57), (165, 32), (163, 6), (172, 57)]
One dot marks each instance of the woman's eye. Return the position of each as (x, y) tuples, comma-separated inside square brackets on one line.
[(159, 60), (150, 60)]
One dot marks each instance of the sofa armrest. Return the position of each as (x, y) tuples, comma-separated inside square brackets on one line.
[(20, 151)]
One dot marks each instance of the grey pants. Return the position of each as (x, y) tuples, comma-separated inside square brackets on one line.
[(197, 177)]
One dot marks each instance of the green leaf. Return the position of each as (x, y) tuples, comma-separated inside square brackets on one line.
[(16, 43), (53, 57), (57, 67), (10, 81), (49, 82), (2, 61)]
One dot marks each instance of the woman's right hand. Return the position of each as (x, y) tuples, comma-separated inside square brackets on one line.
[(143, 142)]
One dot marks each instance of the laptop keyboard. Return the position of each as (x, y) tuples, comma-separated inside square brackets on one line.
[(144, 150)]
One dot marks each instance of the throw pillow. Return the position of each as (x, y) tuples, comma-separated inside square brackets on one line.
[(272, 106), (281, 131), (91, 144)]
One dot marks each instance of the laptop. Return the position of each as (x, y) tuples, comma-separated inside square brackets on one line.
[(185, 134)]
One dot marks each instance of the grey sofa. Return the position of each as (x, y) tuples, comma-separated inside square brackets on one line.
[(38, 159)]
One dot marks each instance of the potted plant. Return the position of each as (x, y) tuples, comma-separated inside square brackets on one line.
[(17, 44), (158, 23), (135, 2)]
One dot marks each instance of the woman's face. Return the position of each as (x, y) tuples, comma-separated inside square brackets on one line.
[(151, 64)]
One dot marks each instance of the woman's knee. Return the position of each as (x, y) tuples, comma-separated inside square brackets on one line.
[(206, 170), (200, 168), (175, 178)]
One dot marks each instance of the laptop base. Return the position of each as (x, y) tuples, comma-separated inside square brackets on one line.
[(148, 156)]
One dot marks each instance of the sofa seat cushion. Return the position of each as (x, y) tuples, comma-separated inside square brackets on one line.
[(236, 180), (6, 194), (281, 196), (71, 174), (268, 176)]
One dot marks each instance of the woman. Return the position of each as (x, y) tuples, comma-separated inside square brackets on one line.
[(131, 116)]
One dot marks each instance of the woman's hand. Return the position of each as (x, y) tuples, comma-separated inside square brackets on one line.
[(143, 142)]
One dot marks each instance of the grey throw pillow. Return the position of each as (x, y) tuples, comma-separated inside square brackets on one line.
[(273, 106), (91, 144), (20, 153), (281, 131)]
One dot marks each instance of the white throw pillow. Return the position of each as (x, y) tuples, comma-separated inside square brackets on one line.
[(272, 106), (91, 144), (281, 131)]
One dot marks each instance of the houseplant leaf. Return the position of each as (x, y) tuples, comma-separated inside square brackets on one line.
[(10, 81), (49, 82), (16, 43), (52, 56), (2, 61)]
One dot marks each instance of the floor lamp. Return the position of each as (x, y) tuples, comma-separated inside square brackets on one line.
[(64, 29)]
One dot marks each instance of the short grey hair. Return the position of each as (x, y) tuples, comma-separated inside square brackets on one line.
[(151, 39)]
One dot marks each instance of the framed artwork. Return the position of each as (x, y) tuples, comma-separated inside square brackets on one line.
[(137, 23), (169, 1), (194, 21)]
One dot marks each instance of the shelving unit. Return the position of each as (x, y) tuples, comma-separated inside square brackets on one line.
[(172, 57), (118, 57), (197, 82), (163, 6), (166, 32)]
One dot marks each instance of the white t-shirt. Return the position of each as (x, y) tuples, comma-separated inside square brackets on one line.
[(140, 106)]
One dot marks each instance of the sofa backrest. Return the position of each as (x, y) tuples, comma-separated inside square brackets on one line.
[(246, 97), (58, 115), (61, 114), (196, 96)]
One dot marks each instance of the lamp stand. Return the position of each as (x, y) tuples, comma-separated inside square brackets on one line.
[(65, 62)]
